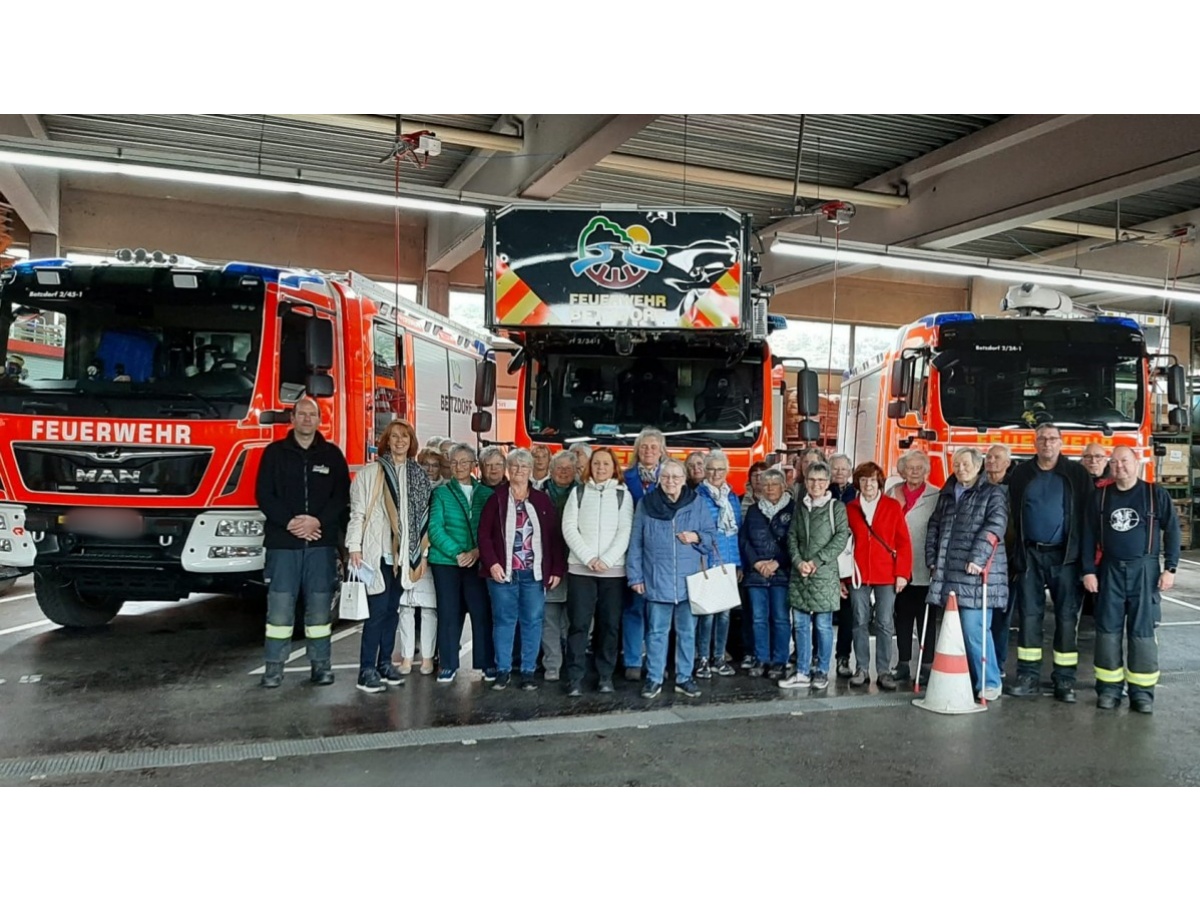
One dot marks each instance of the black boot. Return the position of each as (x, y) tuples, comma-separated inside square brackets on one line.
[(272, 675), (322, 673)]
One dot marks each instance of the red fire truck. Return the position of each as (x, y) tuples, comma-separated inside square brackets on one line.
[(632, 317), (959, 380), (129, 473)]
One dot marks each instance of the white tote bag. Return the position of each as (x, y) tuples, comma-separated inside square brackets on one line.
[(714, 590), (353, 599), (847, 568)]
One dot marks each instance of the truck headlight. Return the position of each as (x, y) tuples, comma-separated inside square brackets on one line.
[(239, 528)]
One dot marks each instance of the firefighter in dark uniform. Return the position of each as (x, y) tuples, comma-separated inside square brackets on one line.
[(1131, 524), (303, 490), (1049, 498)]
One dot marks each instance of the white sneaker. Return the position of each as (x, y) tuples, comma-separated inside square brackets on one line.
[(799, 680), (991, 694)]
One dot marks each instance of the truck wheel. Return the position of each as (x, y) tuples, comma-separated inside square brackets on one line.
[(6, 584), (62, 603)]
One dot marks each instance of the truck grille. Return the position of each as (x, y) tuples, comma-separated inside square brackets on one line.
[(112, 470)]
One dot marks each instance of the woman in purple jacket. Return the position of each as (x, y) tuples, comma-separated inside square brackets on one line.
[(521, 553)]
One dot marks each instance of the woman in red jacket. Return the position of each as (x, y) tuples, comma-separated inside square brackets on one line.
[(883, 558)]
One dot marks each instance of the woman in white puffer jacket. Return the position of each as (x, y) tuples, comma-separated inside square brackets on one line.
[(597, 522)]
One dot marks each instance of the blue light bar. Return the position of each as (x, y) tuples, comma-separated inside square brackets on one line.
[(951, 318), (266, 273), (1123, 321), (776, 322)]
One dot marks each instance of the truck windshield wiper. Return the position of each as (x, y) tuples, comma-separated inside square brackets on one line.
[(187, 395)]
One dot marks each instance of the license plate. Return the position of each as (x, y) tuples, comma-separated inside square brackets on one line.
[(109, 523)]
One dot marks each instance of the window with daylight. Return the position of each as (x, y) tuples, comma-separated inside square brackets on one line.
[(811, 340), (467, 307)]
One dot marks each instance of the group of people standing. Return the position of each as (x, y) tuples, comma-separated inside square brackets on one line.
[(558, 557)]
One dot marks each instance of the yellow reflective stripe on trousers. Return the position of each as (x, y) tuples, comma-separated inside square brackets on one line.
[(1141, 679), (1029, 654), (1066, 659), (1110, 676), (318, 631), (279, 632)]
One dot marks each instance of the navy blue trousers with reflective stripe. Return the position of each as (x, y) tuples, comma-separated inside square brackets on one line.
[(1127, 606)]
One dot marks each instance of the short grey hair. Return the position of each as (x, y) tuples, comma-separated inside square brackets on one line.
[(580, 447), (520, 456), (567, 456), (435, 443), (647, 434), (841, 456), (671, 462), (1046, 425), (818, 468), (917, 456), (461, 448), (488, 452), (976, 458), (717, 456), (1003, 448), (771, 475)]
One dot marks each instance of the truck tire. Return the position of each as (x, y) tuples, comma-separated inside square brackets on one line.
[(62, 603), (6, 584)]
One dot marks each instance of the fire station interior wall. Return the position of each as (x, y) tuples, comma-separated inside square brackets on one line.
[(874, 298), (100, 221)]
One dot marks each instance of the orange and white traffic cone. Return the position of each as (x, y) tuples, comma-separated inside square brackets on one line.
[(949, 690)]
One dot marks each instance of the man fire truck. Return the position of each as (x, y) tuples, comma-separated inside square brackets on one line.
[(959, 380), (632, 317), (128, 473)]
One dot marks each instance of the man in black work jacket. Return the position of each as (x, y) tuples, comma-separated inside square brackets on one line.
[(1049, 496), (303, 490), (1131, 523)]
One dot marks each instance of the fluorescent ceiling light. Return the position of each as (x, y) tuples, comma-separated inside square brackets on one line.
[(938, 264), (16, 253), (239, 182)]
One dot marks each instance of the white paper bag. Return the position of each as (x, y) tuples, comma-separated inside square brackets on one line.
[(353, 599), (713, 590)]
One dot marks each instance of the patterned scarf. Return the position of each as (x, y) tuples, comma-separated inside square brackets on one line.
[(407, 508), (726, 521), (648, 477), (769, 509)]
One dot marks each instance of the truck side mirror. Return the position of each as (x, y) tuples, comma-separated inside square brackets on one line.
[(485, 383), (481, 421), (808, 395), (897, 409), (901, 380), (319, 385), (809, 430), (318, 346), (1178, 418), (1176, 385)]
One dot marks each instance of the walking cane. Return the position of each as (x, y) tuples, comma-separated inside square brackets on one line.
[(984, 623), (921, 651)]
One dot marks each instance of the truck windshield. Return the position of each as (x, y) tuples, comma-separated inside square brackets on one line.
[(1089, 386), (706, 401), (132, 353)]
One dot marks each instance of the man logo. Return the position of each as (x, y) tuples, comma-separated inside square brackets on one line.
[(1124, 519)]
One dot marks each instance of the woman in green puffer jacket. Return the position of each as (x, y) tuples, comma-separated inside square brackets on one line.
[(453, 559), (818, 534)]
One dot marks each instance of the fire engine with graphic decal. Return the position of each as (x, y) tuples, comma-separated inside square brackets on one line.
[(627, 317), (956, 380), (128, 472)]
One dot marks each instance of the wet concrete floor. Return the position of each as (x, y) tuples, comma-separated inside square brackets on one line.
[(167, 694)]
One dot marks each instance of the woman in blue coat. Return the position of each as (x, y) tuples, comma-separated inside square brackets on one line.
[(673, 537), (964, 548), (768, 564)]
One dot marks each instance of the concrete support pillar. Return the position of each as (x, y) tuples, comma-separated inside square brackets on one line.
[(437, 292), (43, 245)]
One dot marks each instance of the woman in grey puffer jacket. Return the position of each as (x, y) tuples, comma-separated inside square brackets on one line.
[(964, 548)]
